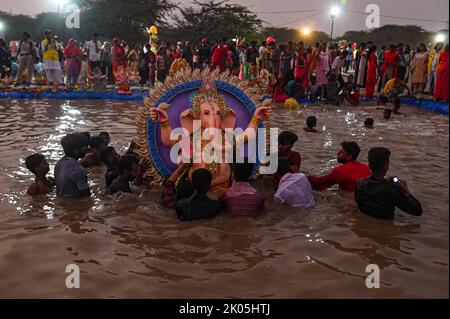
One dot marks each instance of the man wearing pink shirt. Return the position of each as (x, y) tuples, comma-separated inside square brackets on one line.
[(241, 199)]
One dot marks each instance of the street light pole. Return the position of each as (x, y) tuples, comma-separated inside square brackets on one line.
[(334, 12), (2, 29), (332, 28)]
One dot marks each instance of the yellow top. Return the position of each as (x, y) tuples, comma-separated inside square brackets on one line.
[(392, 84), (51, 54)]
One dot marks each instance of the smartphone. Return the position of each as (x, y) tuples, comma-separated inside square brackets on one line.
[(396, 180)]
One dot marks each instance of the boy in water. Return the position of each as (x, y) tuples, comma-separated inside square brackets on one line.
[(71, 178), (37, 164), (368, 123), (105, 136), (128, 172), (93, 157), (286, 141), (199, 205), (111, 159), (387, 114), (311, 123)]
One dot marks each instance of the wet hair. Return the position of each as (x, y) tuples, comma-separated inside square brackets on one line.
[(311, 121), (378, 157), (105, 136), (242, 171), (283, 167), (105, 152), (351, 148), (368, 121), (32, 161), (96, 142), (126, 163), (73, 142), (87, 134), (287, 137), (201, 180)]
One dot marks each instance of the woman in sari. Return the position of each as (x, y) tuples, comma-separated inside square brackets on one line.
[(50, 57), (323, 65), (371, 80), (419, 68), (361, 66), (441, 91), (390, 64), (133, 58), (73, 62), (300, 70), (118, 57)]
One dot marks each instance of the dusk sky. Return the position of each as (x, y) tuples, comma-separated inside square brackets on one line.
[(415, 9)]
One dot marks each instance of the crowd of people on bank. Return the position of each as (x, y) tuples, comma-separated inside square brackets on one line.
[(376, 195), (284, 70)]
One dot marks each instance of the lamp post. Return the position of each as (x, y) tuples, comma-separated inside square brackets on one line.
[(60, 5), (2, 30), (334, 12)]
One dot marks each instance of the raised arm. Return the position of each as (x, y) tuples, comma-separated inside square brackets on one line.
[(158, 115)]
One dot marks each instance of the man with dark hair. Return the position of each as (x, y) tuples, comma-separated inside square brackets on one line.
[(128, 172), (93, 157), (199, 205), (111, 159), (106, 137), (311, 123), (72, 178), (377, 196), (242, 199), (94, 50), (368, 123), (346, 174), (25, 56)]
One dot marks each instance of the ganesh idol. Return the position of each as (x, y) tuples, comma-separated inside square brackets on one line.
[(208, 110)]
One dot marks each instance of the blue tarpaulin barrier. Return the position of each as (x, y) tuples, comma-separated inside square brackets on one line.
[(438, 107), (113, 95)]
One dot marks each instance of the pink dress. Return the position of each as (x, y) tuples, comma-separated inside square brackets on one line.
[(323, 67)]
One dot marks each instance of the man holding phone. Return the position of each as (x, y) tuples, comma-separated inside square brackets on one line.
[(377, 196)]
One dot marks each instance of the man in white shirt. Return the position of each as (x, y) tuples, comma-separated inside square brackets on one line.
[(337, 66), (94, 51)]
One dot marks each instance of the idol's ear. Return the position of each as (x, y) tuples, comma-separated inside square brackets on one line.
[(229, 119), (187, 120)]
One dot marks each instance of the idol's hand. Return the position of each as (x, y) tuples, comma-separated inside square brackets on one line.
[(263, 112), (158, 115)]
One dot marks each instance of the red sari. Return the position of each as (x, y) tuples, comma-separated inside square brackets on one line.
[(371, 80), (118, 53), (390, 65), (441, 91)]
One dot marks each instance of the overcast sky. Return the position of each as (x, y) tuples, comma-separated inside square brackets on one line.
[(414, 9)]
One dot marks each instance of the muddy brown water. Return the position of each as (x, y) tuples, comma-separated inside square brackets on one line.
[(129, 247)]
